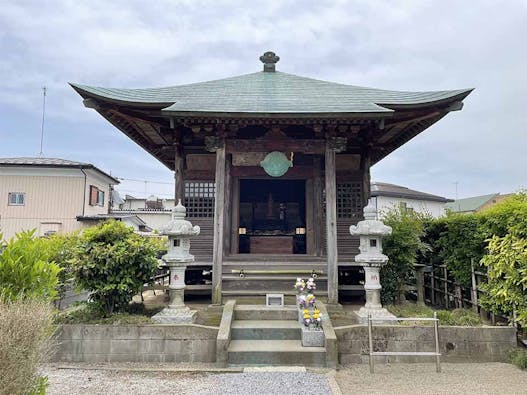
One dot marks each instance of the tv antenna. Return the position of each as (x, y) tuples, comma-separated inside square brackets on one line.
[(43, 118)]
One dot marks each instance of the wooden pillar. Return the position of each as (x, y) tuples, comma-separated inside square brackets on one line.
[(235, 214), (310, 209), (331, 225), (219, 226), (365, 163), (227, 205), (317, 203), (179, 192)]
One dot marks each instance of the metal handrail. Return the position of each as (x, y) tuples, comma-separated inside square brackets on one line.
[(372, 353)]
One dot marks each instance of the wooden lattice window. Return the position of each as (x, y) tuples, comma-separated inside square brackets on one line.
[(349, 200), (199, 199)]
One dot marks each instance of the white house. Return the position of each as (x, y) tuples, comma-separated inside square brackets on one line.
[(51, 195), (387, 196)]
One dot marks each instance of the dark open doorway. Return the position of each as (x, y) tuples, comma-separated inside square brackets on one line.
[(272, 217)]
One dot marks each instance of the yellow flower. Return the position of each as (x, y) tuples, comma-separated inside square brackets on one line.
[(305, 311), (317, 311)]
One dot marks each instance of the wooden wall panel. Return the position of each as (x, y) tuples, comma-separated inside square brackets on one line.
[(201, 246)]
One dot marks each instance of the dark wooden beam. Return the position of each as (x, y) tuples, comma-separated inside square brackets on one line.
[(257, 171), (305, 146), (178, 171)]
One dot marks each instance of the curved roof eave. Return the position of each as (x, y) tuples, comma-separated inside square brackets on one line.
[(270, 93), (87, 92)]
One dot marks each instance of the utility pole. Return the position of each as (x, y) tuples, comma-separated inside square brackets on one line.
[(43, 118)]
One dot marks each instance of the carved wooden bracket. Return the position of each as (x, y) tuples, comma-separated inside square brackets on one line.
[(337, 144), (213, 143)]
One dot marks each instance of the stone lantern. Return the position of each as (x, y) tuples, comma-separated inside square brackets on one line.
[(371, 232), (177, 258)]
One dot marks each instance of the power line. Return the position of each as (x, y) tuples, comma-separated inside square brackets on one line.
[(149, 181)]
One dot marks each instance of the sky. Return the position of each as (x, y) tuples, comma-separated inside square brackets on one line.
[(399, 45)]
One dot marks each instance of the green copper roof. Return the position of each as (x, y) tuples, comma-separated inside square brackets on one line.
[(271, 92), (470, 204)]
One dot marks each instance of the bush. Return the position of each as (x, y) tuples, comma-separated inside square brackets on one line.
[(402, 248), (518, 357), (462, 239), (113, 263), (25, 332), (26, 268), (60, 249), (458, 317), (91, 313), (506, 288)]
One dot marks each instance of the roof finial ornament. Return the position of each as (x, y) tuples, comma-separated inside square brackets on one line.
[(269, 59)]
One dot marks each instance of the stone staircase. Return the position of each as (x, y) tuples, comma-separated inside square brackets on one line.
[(261, 335)]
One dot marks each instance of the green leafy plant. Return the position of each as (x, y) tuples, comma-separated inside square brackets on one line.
[(518, 357), (402, 248), (461, 240), (113, 263), (27, 269), (61, 249), (458, 317), (506, 288)]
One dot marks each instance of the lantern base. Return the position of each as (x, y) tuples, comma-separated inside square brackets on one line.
[(381, 316), (175, 316)]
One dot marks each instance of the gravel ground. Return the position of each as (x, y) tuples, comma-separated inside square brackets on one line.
[(458, 378), (476, 378), (78, 381)]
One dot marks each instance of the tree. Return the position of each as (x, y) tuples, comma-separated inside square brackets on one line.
[(402, 248), (113, 263)]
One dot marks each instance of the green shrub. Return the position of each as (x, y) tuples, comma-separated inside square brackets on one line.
[(458, 317), (402, 248), (92, 313), (25, 343), (507, 217), (462, 239), (26, 268), (61, 249), (518, 357), (113, 263), (506, 288)]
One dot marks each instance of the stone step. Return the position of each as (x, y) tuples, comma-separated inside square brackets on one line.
[(259, 312), (275, 352), (265, 330)]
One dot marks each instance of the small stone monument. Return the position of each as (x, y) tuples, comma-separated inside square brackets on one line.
[(177, 258), (372, 259)]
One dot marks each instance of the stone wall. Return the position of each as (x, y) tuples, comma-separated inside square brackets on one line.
[(136, 343), (456, 343)]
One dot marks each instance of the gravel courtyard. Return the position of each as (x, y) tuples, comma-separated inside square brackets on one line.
[(488, 378)]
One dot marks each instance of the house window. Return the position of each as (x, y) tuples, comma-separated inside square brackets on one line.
[(96, 196), (199, 199), (16, 199), (405, 208)]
